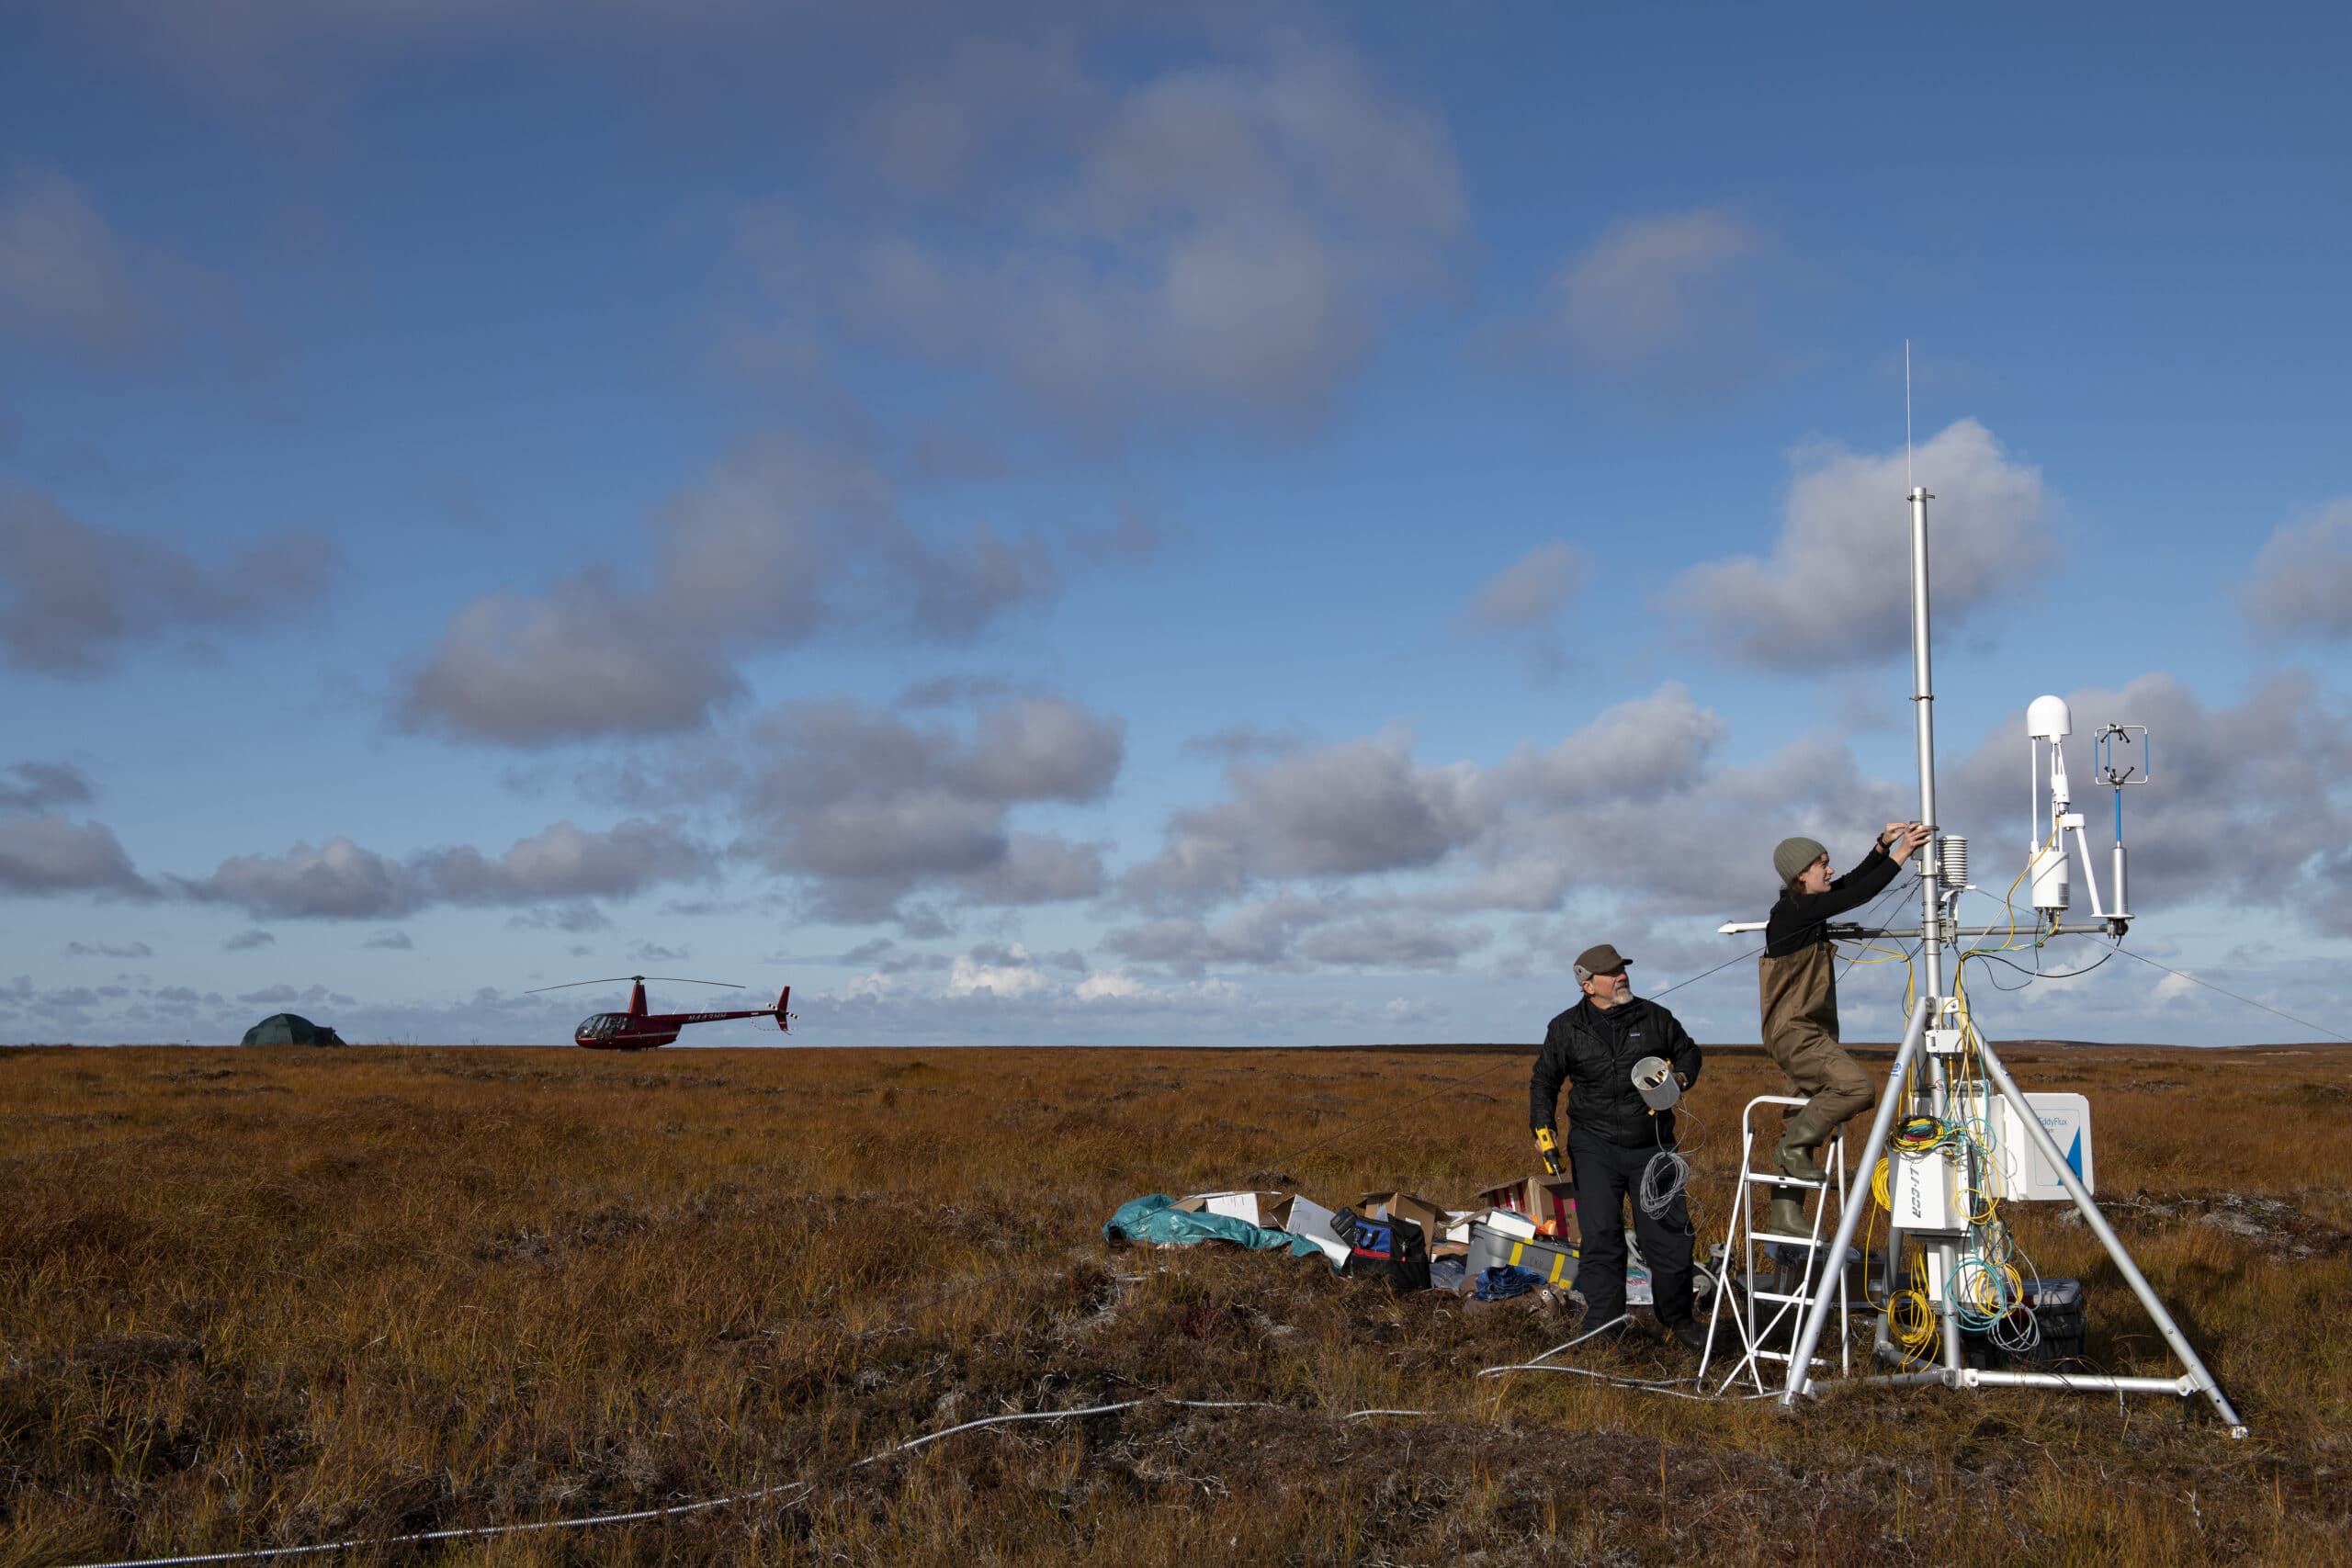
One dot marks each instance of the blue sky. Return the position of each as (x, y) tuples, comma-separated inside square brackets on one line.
[(1039, 526)]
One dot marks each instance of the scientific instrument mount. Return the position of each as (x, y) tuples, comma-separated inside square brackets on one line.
[(1941, 1036)]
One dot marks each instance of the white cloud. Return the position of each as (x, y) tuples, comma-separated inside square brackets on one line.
[(1648, 746), (566, 862), (337, 880), (1532, 589), (1359, 806), (1224, 241), (1652, 283), (1365, 808), (42, 786), (108, 949), (584, 659), (1013, 975), (1357, 855), (1037, 868), (870, 808), (1111, 985), (1260, 933), (342, 880), (48, 855), (1245, 742), (73, 594), (2302, 581), (779, 542), (63, 276), (1836, 588), (1392, 942)]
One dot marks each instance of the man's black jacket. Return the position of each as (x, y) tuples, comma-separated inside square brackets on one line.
[(1592, 1050)]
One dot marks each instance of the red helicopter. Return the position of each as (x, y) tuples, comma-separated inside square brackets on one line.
[(638, 1029)]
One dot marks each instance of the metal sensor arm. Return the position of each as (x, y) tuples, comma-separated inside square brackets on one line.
[(2090, 867)]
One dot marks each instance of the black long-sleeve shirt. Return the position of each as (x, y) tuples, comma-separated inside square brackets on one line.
[(1797, 920)]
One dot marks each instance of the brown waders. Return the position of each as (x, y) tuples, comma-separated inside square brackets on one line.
[(1799, 999)]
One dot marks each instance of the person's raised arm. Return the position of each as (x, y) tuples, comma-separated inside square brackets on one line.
[(1895, 843)]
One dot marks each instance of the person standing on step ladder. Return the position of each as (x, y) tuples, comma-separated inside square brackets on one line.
[(1797, 988)]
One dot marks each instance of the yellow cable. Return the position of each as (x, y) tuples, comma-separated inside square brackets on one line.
[(2008, 901)]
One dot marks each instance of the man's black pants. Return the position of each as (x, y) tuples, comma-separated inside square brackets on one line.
[(1606, 1176)]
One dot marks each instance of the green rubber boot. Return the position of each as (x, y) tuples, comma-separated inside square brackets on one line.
[(1802, 1137), (1788, 1217)]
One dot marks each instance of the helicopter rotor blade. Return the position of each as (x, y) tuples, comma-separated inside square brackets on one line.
[(616, 979)]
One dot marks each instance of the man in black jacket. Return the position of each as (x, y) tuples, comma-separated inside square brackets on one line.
[(1614, 1135)]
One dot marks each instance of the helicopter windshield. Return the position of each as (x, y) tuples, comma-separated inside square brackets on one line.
[(603, 1026)]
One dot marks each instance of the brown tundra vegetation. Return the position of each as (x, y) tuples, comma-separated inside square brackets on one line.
[(274, 1298)]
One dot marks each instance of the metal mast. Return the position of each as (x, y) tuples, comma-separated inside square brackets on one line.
[(1932, 945), (1923, 704)]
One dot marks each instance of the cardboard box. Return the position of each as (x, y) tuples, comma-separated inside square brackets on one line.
[(1488, 1247), (1539, 1198), (1405, 1206), (1268, 1209), (1310, 1219), (1510, 1221)]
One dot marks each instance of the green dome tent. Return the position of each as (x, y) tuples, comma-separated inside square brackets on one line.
[(291, 1029)]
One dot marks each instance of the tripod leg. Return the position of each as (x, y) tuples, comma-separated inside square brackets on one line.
[(2088, 1209)]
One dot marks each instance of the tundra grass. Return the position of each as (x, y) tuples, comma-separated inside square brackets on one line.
[(267, 1298)]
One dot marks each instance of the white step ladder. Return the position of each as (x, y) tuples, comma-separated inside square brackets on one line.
[(1760, 1315)]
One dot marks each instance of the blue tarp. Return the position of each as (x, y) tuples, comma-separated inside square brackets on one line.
[(1156, 1219)]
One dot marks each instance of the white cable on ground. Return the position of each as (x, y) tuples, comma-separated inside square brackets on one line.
[(1623, 1317), (1649, 1385), (802, 1488), (1672, 1387), (258, 1554)]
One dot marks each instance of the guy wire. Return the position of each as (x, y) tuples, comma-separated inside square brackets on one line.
[(2249, 1001)]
